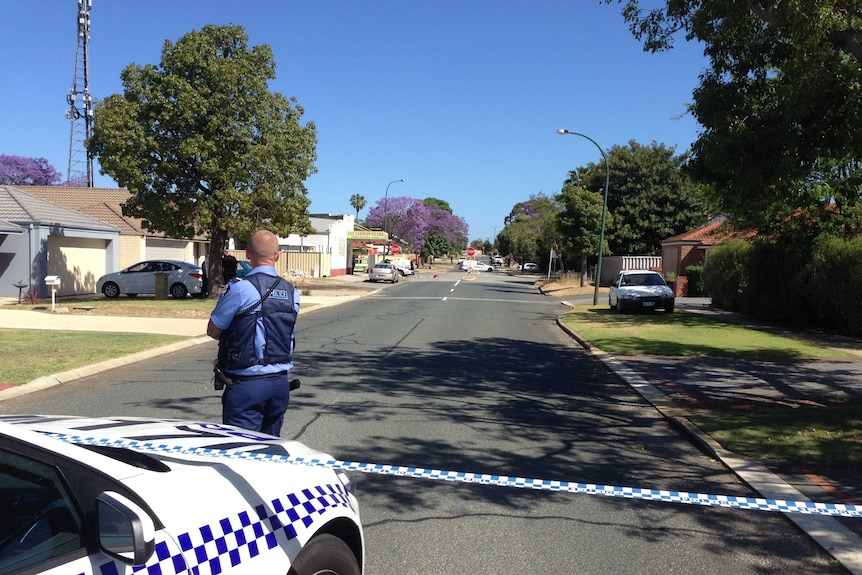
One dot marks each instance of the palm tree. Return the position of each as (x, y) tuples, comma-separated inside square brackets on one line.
[(358, 202)]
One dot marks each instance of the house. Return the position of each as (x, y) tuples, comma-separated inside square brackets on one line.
[(330, 237), (39, 238), (325, 252), (136, 242), (690, 249)]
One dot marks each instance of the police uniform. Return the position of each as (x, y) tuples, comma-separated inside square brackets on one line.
[(255, 348)]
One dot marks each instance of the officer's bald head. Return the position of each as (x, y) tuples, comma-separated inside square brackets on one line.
[(262, 248)]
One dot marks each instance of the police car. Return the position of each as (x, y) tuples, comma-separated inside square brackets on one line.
[(110, 496)]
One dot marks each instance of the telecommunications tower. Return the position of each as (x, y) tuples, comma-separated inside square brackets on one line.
[(80, 112)]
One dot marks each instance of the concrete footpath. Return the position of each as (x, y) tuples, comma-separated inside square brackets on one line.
[(841, 542), (61, 320)]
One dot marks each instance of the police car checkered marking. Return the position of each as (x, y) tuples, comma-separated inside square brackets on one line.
[(228, 542), (731, 501), (241, 537)]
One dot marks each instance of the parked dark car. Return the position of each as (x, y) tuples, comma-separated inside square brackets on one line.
[(242, 268)]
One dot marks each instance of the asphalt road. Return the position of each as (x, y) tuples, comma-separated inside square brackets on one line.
[(475, 376)]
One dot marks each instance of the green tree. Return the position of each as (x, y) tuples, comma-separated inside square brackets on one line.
[(204, 146), (530, 231), (442, 204), (779, 103), (358, 202), (579, 222), (650, 199)]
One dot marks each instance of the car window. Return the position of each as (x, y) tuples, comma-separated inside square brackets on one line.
[(642, 280), (138, 267), (40, 521)]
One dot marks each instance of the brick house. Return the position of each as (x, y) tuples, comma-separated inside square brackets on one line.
[(690, 249)]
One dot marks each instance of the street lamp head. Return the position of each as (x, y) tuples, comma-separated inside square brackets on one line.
[(562, 131)]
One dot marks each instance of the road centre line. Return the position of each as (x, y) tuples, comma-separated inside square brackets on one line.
[(445, 298), (680, 497)]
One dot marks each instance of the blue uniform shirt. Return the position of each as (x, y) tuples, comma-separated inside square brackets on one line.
[(239, 295)]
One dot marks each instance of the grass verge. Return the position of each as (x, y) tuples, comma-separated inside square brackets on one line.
[(822, 439), (683, 334), (141, 306), (793, 438), (29, 354)]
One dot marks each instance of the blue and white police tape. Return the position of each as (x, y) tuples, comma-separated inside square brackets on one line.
[(730, 501)]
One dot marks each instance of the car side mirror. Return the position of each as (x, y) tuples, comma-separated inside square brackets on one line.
[(126, 531)]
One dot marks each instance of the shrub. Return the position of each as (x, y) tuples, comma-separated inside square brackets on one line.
[(836, 281), (696, 283), (779, 281), (725, 274)]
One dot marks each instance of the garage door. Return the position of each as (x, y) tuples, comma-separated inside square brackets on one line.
[(79, 262), (158, 249)]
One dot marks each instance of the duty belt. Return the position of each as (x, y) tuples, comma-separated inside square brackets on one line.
[(255, 376)]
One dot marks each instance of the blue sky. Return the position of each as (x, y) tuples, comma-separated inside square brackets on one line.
[(462, 99)]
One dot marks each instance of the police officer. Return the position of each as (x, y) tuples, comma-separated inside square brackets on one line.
[(255, 323)]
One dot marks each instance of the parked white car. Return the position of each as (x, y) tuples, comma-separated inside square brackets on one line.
[(403, 267), (640, 290), (182, 279), (82, 496)]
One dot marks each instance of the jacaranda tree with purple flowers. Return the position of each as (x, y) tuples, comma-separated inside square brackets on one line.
[(21, 171), (411, 222)]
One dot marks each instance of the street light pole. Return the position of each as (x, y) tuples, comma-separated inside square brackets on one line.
[(564, 132), (385, 211)]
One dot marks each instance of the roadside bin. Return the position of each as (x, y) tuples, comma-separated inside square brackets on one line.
[(161, 285)]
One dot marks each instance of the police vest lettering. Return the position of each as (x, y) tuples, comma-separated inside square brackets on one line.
[(277, 313)]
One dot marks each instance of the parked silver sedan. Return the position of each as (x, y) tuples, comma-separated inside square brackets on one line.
[(183, 278), (383, 272)]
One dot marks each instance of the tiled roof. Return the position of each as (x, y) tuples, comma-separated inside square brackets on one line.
[(19, 207), (113, 214), (104, 204), (77, 198), (710, 234), (10, 228)]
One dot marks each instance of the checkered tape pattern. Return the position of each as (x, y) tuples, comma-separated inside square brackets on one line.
[(215, 548), (681, 497)]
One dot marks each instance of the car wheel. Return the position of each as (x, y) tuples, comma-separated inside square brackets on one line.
[(325, 554), (619, 306), (610, 304), (179, 291), (111, 290), (668, 308)]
